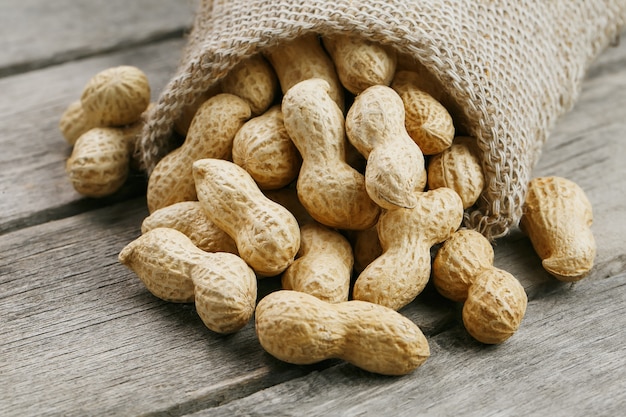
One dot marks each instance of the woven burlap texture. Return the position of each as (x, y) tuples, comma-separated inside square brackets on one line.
[(512, 67)]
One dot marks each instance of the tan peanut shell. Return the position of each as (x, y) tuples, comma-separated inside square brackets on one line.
[(264, 149), (359, 63), (172, 268), (428, 122), (494, 300), (189, 218), (210, 135), (367, 248), (495, 306), (397, 276), (323, 267), (332, 192), (395, 168), (99, 163), (254, 80), (299, 328), (288, 198), (459, 260), (182, 124), (457, 167), (557, 216), (74, 122), (304, 58), (267, 234), (116, 96)]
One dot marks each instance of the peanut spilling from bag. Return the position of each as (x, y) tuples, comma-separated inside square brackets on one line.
[(328, 181)]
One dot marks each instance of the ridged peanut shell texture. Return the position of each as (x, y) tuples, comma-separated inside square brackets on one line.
[(395, 168), (100, 162), (331, 191), (267, 234), (189, 218), (397, 276), (495, 306), (172, 268), (254, 80), (323, 267), (359, 63), (461, 258), (264, 149), (299, 328), (210, 135), (557, 218), (302, 59), (116, 96), (427, 121), (74, 122)]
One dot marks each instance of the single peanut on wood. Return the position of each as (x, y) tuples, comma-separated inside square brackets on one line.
[(210, 135), (267, 234), (359, 63), (254, 80), (457, 167), (395, 168), (172, 268), (116, 96), (304, 58), (397, 276), (264, 149), (494, 300), (301, 329), (557, 217), (189, 218), (427, 121), (100, 162), (324, 264), (331, 190)]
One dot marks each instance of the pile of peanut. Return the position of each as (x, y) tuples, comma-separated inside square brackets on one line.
[(328, 163)]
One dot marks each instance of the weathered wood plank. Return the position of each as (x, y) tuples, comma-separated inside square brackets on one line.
[(38, 33), (566, 360), (33, 183), (80, 334)]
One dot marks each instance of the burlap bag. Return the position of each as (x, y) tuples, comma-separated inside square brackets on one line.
[(511, 67)]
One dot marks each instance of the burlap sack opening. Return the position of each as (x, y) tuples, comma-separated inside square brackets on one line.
[(511, 67)]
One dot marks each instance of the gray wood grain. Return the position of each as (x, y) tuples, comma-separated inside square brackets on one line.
[(33, 185), (39, 33)]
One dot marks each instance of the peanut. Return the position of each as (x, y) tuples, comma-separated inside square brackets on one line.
[(267, 234), (332, 192), (299, 328), (264, 149), (182, 124), (427, 121), (189, 218), (397, 276), (494, 300), (254, 81), (395, 165), (116, 96), (367, 248), (324, 264), (74, 122), (288, 198), (210, 135), (172, 268), (557, 218), (100, 162), (304, 58), (359, 63), (457, 167)]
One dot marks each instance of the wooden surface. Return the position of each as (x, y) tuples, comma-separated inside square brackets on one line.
[(80, 335)]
